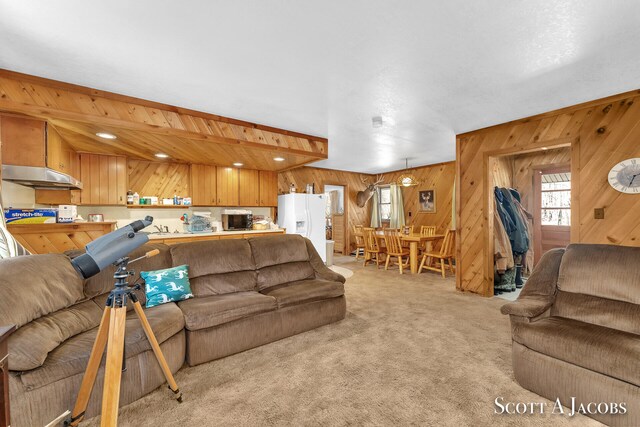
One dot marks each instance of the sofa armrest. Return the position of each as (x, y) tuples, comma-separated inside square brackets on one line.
[(322, 271), (529, 307)]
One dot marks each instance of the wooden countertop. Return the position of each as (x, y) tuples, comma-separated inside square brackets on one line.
[(165, 236)]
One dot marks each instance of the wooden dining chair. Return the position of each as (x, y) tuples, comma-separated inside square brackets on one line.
[(427, 230), (395, 249), (446, 253), (358, 232), (371, 248)]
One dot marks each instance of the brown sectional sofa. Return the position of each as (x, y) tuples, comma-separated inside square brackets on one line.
[(247, 292), (576, 329)]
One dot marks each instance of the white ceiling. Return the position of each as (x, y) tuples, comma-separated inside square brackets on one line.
[(431, 69)]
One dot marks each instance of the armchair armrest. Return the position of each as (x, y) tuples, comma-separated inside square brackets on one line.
[(322, 271), (530, 307), (539, 293)]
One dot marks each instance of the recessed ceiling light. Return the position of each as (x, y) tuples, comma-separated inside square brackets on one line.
[(544, 148), (237, 164), (106, 135), (376, 121), (279, 159), (162, 156)]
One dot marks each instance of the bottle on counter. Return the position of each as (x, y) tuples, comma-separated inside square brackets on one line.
[(129, 197), (136, 198), (292, 188)]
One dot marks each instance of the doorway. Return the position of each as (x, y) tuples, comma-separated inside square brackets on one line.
[(336, 218), (540, 182), (552, 209)]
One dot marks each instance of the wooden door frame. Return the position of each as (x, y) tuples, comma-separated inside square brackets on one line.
[(488, 201), (346, 250), (536, 183)]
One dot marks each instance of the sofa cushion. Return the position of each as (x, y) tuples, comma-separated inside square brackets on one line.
[(613, 314), (72, 356), (280, 274), (217, 266), (102, 282), (607, 351), (201, 313), (605, 271), (278, 249), (30, 345), (304, 291), (32, 286)]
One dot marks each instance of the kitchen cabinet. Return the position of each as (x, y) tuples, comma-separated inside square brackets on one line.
[(23, 141), (227, 186), (203, 185), (33, 142), (57, 238), (58, 197), (268, 188), (249, 187), (60, 155), (104, 179)]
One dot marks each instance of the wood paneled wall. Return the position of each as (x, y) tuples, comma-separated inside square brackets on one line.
[(502, 171), (439, 177), (523, 169), (300, 177), (162, 179), (600, 133)]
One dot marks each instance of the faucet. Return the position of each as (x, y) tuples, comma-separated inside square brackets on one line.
[(162, 228)]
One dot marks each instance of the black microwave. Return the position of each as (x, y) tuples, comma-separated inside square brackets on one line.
[(232, 222)]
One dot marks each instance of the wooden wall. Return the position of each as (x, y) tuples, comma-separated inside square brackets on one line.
[(300, 177), (600, 133), (523, 169), (502, 171), (162, 179), (439, 177)]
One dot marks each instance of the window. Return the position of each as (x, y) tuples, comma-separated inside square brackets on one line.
[(556, 199), (384, 202)]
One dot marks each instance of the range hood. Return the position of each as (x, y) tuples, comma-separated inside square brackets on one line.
[(39, 177)]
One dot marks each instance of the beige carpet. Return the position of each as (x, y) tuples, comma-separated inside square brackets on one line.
[(412, 351)]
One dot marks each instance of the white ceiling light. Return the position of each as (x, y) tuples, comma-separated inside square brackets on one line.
[(376, 121), (279, 159), (162, 155), (106, 135), (237, 164)]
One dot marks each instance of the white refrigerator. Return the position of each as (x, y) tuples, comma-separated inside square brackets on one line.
[(304, 214)]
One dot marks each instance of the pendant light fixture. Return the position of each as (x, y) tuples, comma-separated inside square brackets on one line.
[(407, 179)]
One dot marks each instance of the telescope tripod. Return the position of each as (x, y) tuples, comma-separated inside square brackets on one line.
[(111, 334)]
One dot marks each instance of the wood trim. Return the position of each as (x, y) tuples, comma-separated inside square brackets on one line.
[(458, 247), (563, 110), (152, 104)]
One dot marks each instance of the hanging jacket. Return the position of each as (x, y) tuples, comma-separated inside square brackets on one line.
[(502, 253), (505, 218), (519, 236), (527, 260)]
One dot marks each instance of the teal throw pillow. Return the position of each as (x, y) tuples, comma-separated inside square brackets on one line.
[(171, 284)]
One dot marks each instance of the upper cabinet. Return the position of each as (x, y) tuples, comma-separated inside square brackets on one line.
[(268, 188), (104, 179), (33, 142), (24, 141), (203, 185), (227, 186), (249, 187)]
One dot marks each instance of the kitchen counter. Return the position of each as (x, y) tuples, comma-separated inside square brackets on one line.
[(175, 238), (58, 237)]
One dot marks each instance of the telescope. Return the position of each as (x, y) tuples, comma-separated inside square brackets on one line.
[(110, 248)]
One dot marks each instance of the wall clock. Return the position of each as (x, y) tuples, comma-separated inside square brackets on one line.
[(625, 176)]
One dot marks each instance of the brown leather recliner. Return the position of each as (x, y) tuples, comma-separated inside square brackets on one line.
[(576, 330)]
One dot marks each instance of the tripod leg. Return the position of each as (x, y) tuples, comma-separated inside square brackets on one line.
[(113, 370), (156, 349), (91, 372)]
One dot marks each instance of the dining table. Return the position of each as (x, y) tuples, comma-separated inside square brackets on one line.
[(415, 240)]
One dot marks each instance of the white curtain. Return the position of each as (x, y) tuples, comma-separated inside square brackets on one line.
[(397, 207), (375, 211)]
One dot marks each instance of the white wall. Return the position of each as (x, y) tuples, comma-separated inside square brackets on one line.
[(17, 196)]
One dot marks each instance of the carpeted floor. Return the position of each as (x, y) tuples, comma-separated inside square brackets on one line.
[(412, 351)]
